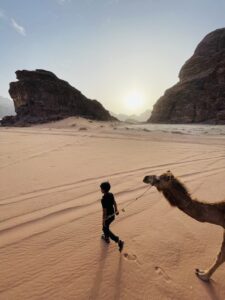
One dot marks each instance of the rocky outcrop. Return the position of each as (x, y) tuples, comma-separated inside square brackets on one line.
[(199, 96), (40, 96)]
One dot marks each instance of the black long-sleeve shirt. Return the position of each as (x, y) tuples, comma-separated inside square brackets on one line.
[(108, 203)]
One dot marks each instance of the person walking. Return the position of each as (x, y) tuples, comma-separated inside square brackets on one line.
[(109, 209)]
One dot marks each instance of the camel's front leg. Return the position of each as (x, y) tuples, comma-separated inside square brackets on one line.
[(205, 275)]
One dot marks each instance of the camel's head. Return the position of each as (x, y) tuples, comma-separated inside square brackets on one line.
[(161, 182)]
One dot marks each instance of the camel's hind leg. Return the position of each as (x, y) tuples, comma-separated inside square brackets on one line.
[(205, 275)]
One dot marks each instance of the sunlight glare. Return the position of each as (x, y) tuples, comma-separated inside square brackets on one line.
[(134, 101)]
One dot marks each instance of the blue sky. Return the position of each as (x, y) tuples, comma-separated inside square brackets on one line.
[(111, 50)]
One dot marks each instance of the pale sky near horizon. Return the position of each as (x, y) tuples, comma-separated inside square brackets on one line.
[(116, 51)]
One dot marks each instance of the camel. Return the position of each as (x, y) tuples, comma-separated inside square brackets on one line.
[(177, 195)]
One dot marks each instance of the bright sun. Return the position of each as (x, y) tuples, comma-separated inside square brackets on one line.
[(134, 101)]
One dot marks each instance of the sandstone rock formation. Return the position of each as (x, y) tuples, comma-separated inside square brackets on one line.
[(40, 96), (199, 96)]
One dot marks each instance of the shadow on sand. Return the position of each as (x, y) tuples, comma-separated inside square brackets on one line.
[(118, 278), (211, 289), (99, 272), (99, 275)]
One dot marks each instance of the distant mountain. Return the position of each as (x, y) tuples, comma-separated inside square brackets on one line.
[(6, 107), (142, 117), (120, 117), (138, 118)]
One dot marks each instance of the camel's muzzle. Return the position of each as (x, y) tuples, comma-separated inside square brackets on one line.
[(152, 179)]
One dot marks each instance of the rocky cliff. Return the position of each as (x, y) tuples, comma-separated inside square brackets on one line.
[(199, 96), (40, 96)]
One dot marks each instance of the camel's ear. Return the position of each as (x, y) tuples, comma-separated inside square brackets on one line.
[(170, 174)]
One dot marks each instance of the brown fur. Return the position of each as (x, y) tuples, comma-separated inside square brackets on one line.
[(177, 195)]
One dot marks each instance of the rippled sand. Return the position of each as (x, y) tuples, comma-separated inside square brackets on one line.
[(50, 221)]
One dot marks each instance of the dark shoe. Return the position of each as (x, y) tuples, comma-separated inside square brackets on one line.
[(120, 244), (107, 240)]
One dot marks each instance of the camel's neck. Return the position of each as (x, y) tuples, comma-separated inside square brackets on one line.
[(199, 211)]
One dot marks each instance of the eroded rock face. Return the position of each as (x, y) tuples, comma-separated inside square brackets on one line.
[(40, 96), (199, 96)]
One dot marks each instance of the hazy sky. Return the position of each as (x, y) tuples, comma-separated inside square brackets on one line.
[(115, 51)]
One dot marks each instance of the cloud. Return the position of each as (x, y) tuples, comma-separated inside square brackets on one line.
[(20, 29), (6, 19)]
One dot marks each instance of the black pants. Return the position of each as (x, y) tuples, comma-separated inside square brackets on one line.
[(107, 232)]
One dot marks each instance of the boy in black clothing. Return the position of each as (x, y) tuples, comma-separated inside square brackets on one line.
[(109, 208)]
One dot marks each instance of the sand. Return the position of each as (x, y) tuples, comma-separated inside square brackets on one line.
[(50, 221)]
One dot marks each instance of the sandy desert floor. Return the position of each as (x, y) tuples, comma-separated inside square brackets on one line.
[(50, 221)]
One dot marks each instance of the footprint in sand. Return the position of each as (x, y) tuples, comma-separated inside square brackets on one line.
[(162, 273), (130, 256)]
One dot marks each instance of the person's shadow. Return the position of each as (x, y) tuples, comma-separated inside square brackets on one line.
[(94, 292), (118, 278), (99, 275)]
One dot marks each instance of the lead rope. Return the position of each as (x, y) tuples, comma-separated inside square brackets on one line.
[(123, 209)]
